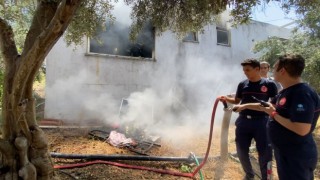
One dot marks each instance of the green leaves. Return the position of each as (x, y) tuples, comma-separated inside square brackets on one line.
[(300, 43), (271, 49), (242, 10), (178, 16), (308, 14), (91, 16), (19, 16)]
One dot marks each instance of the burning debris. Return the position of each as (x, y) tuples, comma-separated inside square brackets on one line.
[(140, 144), (119, 140)]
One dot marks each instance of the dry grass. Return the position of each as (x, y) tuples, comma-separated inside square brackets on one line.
[(77, 142)]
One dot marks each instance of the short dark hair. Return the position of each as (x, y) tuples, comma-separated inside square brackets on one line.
[(293, 64), (251, 62)]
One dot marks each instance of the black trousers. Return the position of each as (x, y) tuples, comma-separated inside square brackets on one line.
[(296, 167), (246, 130)]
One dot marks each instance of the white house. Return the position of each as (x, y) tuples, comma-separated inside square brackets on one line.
[(85, 84)]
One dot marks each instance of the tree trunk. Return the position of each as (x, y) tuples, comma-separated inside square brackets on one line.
[(23, 146)]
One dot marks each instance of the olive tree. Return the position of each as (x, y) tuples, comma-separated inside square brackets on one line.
[(40, 24)]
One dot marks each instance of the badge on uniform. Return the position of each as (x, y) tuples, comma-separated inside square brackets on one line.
[(300, 107)]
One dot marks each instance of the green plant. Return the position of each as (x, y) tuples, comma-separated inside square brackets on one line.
[(185, 168)]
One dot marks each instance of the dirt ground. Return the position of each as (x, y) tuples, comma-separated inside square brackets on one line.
[(77, 141)]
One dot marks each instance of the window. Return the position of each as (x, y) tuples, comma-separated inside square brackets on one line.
[(223, 37), (191, 37), (115, 41)]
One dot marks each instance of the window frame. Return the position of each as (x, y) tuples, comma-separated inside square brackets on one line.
[(152, 58), (194, 34), (225, 30)]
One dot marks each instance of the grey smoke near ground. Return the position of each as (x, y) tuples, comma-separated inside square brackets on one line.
[(183, 103), (174, 108), (73, 96)]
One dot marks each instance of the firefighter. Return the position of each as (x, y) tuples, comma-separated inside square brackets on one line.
[(251, 124), (264, 70), (294, 113)]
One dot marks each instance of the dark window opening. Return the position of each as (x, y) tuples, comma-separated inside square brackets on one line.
[(191, 37), (223, 37), (115, 41)]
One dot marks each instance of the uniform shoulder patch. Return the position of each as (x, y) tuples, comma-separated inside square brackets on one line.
[(264, 89), (282, 101)]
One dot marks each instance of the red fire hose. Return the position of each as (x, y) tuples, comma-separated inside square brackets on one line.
[(190, 175)]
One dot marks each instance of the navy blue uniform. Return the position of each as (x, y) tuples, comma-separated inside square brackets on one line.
[(252, 124), (296, 155)]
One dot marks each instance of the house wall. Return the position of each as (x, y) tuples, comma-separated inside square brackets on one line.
[(82, 86)]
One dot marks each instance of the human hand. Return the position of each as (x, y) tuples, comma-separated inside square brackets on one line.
[(268, 109), (224, 101), (223, 98)]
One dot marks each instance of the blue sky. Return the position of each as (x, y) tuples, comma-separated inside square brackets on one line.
[(273, 14)]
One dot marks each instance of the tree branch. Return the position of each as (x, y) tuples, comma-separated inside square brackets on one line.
[(42, 44), (43, 15), (7, 43)]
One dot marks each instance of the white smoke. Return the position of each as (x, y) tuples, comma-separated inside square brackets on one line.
[(177, 105)]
